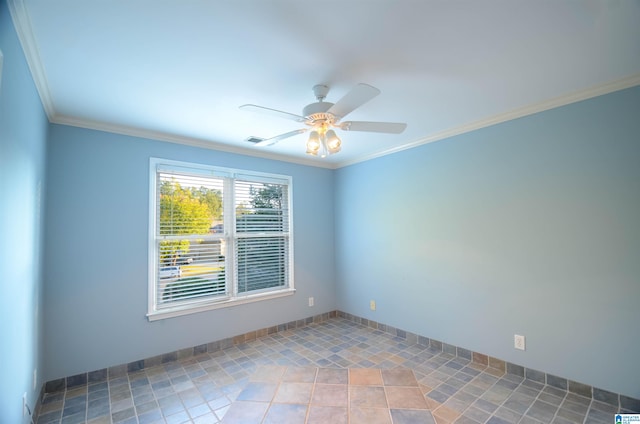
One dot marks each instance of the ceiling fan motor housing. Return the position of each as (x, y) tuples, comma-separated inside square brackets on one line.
[(317, 112)]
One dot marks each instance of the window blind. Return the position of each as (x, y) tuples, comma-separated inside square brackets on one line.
[(218, 236), (190, 262), (262, 230)]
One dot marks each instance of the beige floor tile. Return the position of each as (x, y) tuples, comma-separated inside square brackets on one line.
[(405, 398), (330, 395), (432, 404), (332, 376), (328, 414), (367, 397), (399, 377), (446, 413), (369, 416), (365, 377)]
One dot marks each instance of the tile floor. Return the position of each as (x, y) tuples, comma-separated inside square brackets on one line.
[(330, 372), (279, 394)]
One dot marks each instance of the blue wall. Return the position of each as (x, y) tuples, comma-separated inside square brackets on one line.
[(96, 252), (23, 133), (527, 227)]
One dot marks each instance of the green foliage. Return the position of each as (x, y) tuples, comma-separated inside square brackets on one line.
[(265, 212), (242, 210), (170, 250), (212, 198), (186, 211), (268, 197)]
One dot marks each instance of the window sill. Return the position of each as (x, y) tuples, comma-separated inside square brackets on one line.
[(217, 304)]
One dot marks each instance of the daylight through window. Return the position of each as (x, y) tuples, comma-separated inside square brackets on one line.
[(217, 237)]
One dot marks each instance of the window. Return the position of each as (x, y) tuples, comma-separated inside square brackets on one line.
[(218, 237)]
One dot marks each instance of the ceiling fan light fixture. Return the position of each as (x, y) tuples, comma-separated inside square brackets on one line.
[(334, 144), (313, 143)]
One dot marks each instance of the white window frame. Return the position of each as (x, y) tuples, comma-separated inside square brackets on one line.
[(234, 298)]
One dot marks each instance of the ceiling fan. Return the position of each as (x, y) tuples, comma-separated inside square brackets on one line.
[(321, 117)]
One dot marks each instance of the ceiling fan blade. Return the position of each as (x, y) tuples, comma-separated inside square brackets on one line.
[(359, 95), (273, 112), (273, 140), (381, 127)]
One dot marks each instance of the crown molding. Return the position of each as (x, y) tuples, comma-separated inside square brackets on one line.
[(22, 24), (187, 141), (564, 100), (556, 102)]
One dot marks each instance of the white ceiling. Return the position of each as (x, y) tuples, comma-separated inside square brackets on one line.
[(177, 70)]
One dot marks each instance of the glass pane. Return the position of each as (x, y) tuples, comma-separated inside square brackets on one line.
[(261, 207), (191, 269), (261, 263), (189, 204)]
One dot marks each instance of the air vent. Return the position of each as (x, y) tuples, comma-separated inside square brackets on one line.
[(253, 139)]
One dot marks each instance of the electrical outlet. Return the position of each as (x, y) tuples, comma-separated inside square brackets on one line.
[(372, 305), (311, 302), (518, 342), (24, 404)]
